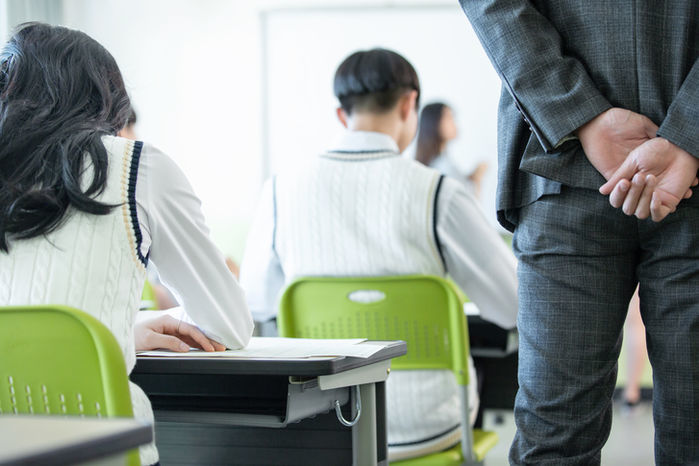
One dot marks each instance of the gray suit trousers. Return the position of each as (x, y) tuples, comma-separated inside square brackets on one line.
[(579, 263)]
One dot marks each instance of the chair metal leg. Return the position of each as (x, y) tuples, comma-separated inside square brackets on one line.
[(364, 447), (466, 431)]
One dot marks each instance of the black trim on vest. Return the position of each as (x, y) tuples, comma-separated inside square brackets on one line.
[(133, 175), (434, 222), (428, 439)]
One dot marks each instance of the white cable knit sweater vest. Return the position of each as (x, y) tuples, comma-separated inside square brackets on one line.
[(92, 263), (357, 214), (368, 214)]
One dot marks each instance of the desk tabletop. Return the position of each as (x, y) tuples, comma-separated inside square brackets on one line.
[(303, 367), (54, 440)]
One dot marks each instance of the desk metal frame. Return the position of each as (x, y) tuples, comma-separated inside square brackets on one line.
[(309, 386)]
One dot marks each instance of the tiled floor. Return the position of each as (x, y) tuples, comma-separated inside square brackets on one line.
[(630, 442)]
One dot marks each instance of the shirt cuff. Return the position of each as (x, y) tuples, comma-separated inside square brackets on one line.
[(564, 139)]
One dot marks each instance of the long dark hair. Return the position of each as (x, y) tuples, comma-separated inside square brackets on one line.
[(373, 80), (429, 139), (60, 92)]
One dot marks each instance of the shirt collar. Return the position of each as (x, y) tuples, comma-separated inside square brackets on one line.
[(365, 142)]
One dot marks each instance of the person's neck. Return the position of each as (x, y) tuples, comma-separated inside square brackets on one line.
[(386, 124)]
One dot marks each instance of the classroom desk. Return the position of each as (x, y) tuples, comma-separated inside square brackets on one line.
[(495, 353), (54, 440), (268, 411)]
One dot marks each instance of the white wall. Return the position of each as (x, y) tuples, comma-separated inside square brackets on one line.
[(305, 46), (13, 12), (3, 21), (194, 71)]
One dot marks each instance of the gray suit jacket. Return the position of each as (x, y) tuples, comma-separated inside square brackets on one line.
[(562, 62)]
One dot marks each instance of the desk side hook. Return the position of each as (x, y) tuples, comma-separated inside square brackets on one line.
[(358, 405)]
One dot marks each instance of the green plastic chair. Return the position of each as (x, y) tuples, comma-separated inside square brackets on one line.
[(55, 360), (424, 311), (149, 301)]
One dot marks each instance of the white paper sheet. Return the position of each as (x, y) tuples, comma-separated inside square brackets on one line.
[(470, 309), (285, 348)]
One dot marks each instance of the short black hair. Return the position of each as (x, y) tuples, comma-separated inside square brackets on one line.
[(373, 80)]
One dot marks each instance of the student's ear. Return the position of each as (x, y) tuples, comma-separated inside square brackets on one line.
[(342, 116), (407, 104)]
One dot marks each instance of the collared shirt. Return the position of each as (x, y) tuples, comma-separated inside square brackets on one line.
[(365, 141)]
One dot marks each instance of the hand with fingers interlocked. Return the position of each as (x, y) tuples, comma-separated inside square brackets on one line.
[(610, 137), (653, 180), (646, 175)]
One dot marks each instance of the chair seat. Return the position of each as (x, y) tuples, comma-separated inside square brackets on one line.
[(72, 365), (483, 441)]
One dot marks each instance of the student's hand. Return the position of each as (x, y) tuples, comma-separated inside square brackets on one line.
[(477, 177), (610, 137), (166, 332), (233, 267), (653, 180)]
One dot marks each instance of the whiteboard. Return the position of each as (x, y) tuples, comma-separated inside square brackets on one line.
[(303, 47)]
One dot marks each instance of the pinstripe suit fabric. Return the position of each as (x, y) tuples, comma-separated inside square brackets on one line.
[(562, 62)]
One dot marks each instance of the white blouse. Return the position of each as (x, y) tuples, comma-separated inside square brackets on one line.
[(176, 239)]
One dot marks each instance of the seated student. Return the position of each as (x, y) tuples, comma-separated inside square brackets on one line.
[(82, 211), (361, 209)]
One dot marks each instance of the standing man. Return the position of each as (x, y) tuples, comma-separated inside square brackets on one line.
[(599, 94)]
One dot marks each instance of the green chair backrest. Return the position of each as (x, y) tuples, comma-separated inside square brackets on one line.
[(149, 301), (425, 311), (58, 360)]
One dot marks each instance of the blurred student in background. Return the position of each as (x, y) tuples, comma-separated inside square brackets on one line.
[(129, 130), (436, 130), (361, 209), (82, 211)]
